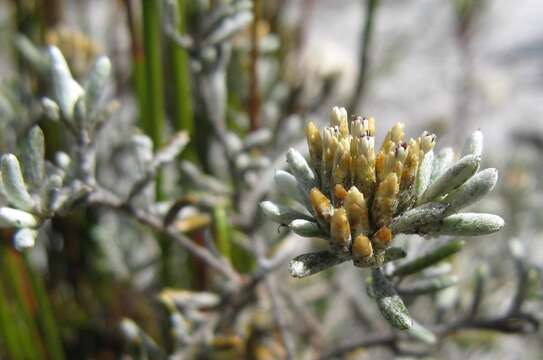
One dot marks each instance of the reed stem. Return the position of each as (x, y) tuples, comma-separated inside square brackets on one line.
[(365, 48)]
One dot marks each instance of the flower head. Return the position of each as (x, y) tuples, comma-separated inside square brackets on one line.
[(358, 197)]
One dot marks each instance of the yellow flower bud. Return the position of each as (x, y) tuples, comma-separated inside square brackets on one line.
[(382, 238), (342, 163), (394, 136), (339, 118), (362, 247), (321, 204), (340, 231), (386, 200), (339, 194), (397, 133), (369, 126), (357, 210), (314, 143), (330, 143), (411, 164), (427, 142)]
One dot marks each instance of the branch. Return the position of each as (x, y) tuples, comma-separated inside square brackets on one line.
[(279, 318), (375, 340), (365, 47), (164, 156), (101, 197), (519, 323)]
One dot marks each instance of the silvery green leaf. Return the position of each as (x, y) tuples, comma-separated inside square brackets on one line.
[(472, 190), (428, 286), (31, 54), (70, 196), (440, 269), (419, 332), (442, 161), (24, 239), (289, 186), (390, 304), (393, 254), (430, 258), (55, 198), (134, 335), (301, 170), (191, 299), (245, 162), (151, 347), (97, 82), (312, 263), (412, 220), (143, 148), (104, 113), (65, 89), (14, 184), (172, 149), (233, 142), (281, 214), (130, 330), (228, 26), (7, 111), (17, 218), (62, 160), (474, 144), (50, 109), (180, 328), (306, 228), (80, 114), (424, 174), (470, 224), (259, 137), (34, 153), (202, 180), (61, 199), (452, 178)]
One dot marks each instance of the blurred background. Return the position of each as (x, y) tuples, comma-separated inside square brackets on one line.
[(249, 75)]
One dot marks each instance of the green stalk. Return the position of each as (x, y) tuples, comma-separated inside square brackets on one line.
[(182, 99), (21, 318), (152, 118), (46, 318), (222, 232), (182, 112), (8, 331)]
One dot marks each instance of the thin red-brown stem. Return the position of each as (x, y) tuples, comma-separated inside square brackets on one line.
[(254, 92)]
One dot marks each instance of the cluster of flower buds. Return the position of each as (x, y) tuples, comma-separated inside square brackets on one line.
[(358, 197)]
